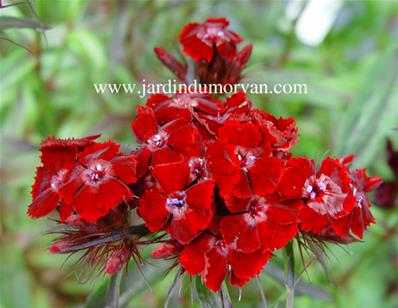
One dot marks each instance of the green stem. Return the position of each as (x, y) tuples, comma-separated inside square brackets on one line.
[(290, 285), (114, 290)]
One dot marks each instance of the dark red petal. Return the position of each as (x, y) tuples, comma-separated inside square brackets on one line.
[(192, 258), (42, 181), (124, 168), (145, 125), (341, 226), (62, 153), (218, 20), (265, 175), (372, 183), (172, 177), (237, 229), (144, 156), (105, 150), (200, 196), (294, 175), (95, 201), (193, 46), (182, 230), (242, 188), (312, 221), (247, 266), (222, 164), (152, 208), (362, 218), (165, 156), (216, 269), (65, 210), (185, 140), (235, 204), (246, 134), (244, 55), (43, 204)]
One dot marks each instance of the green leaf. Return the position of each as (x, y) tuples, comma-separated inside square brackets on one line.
[(373, 113), (88, 46)]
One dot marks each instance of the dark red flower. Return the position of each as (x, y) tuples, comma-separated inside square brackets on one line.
[(201, 40), (183, 210), (58, 157), (239, 162), (282, 132), (223, 70), (360, 217), (187, 106), (100, 181), (171, 142), (260, 222), (335, 198), (210, 257)]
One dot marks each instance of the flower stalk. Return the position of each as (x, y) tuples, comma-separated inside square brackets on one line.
[(290, 275)]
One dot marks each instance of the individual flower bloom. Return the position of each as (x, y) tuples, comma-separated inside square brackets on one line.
[(200, 41), (183, 210), (167, 250), (179, 69), (260, 222), (282, 131), (360, 217), (212, 259), (185, 106), (223, 70), (240, 163), (100, 181), (327, 193), (328, 198), (168, 143), (236, 107), (58, 157)]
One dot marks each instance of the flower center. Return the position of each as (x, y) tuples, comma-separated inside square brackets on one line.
[(316, 187), (257, 209), (97, 172), (197, 167), (176, 200), (158, 140), (246, 158)]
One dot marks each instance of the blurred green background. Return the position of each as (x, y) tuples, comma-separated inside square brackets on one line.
[(351, 106)]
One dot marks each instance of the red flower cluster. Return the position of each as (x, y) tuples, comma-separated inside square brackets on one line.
[(216, 176), (81, 176), (214, 50)]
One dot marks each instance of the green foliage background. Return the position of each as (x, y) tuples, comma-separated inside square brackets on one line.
[(352, 105)]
